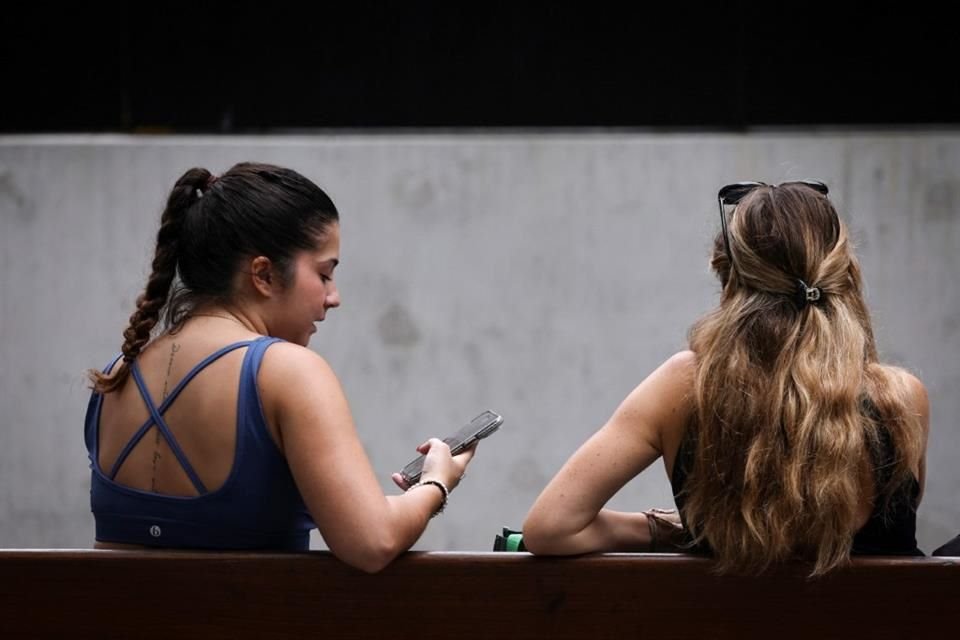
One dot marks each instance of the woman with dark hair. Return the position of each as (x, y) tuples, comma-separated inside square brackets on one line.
[(217, 428), (782, 434)]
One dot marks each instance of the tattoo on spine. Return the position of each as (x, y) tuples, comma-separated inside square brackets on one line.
[(156, 445)]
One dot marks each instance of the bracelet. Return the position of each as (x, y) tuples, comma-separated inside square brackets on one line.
[(443, 490), (663, 531)]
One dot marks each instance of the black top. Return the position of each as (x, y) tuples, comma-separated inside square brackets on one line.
[(891, 529), (950, 548)]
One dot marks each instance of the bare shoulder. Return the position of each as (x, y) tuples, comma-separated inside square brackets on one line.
[(915, 391), (681, 365), (301, 394), (664, 398), (291, 373), (917, 394), (675, 377), (288, 360)]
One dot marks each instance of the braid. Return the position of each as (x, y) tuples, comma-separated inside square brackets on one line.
[(163, 271)]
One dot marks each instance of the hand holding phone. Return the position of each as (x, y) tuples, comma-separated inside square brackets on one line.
[(478, 428)]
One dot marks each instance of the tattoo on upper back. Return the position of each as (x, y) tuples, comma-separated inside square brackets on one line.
[(154, 486), (173, 350)]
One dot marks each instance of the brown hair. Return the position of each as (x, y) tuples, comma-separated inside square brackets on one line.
[(790, 398), (208, 227)]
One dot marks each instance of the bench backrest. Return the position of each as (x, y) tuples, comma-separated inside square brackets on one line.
[(437, 595)]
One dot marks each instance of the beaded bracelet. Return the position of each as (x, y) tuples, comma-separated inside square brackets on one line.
[(443, 489)]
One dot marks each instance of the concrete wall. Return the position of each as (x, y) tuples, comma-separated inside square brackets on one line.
[(542, 276)]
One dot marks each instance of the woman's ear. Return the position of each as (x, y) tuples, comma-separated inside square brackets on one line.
[(262, 276)]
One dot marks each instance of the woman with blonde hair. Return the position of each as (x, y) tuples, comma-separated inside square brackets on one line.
[(782, 434)]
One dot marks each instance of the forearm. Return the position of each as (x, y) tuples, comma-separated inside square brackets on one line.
[(409, 514), (413, 509), (608, 531), (377, 534)]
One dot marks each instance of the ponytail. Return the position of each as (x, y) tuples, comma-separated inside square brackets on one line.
[(186, 193)]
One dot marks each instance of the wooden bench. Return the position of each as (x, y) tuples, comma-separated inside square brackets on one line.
[(438, 595)]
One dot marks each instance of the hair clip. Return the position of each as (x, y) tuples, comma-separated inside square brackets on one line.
[(806, 294), (199, 194)]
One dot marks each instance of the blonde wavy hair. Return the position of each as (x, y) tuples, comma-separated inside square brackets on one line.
[(791, 402)]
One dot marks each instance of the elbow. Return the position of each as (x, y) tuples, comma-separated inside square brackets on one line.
[(549, 532), (372, 556), (373, 564), (537, 537), (535, 545)]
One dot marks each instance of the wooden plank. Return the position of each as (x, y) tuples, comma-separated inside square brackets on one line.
[(127, 594)]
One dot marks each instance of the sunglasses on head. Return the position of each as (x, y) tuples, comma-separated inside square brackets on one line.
[(733, 193)]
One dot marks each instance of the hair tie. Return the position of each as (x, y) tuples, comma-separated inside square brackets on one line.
[(206, 186), (807, 294)]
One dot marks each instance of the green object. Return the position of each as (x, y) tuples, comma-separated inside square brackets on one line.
[(515, 542), (509, 540)]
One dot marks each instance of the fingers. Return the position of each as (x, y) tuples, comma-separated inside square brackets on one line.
[(668, 515), (432, 442), (399, 481), (441, 464), (465, 456)]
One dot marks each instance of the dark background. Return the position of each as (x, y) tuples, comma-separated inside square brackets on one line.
[(268, 67)]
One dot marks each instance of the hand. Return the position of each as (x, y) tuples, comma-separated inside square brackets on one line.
[(666, 530), (439, 464)]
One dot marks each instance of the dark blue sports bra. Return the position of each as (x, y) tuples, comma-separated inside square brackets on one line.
[(258, 507)]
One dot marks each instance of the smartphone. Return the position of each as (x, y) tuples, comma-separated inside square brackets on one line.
[(477, 429)]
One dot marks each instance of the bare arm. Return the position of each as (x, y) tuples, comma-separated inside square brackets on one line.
[(361, 525), (568, 517)]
